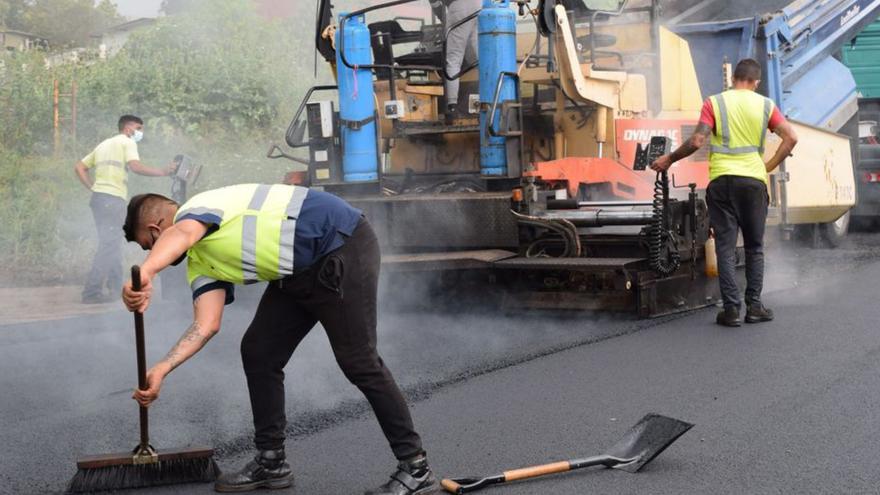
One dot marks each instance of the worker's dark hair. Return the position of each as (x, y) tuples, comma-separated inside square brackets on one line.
[(748, 69), (125, 119), (139, 207)]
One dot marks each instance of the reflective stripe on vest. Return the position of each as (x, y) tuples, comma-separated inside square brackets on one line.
[(252, 235), (725, 130), (249, 233), (288, 231)]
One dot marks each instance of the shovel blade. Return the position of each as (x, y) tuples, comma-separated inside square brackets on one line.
[(644, 441)]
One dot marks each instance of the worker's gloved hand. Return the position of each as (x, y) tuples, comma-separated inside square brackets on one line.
[(662, 164), (154, 383), (137, 300)]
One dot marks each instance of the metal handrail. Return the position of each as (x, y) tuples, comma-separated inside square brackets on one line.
[(393, 66), (288, 135), (446, 36), (490, 126)]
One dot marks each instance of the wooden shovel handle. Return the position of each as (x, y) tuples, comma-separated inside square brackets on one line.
[(450, 486), (533, 471)]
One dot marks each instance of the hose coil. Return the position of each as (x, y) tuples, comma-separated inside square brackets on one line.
[(658, 234)]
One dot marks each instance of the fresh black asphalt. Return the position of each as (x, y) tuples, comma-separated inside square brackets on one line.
[(782, 407)]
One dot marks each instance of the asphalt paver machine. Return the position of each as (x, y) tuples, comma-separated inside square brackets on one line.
[(534, 192)]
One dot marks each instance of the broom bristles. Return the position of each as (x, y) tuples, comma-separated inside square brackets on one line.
[(167, 472)]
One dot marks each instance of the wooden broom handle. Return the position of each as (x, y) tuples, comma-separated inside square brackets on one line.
[(141, 357)]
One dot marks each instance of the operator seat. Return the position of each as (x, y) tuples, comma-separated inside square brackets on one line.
[(385, 34)]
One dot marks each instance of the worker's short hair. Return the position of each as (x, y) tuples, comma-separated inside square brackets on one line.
[(139, 207), (125, 119), (748, 69)]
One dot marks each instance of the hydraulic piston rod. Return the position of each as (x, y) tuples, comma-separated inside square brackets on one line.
[(600, 217)]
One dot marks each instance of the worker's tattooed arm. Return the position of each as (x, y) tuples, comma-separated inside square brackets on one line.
[(190, 343), (207, 311), (696, 141)]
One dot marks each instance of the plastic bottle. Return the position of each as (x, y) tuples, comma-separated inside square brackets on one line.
[(711, 258)]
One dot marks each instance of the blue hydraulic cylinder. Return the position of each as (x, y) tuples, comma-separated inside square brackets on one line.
[(356, 102), (496, 26)]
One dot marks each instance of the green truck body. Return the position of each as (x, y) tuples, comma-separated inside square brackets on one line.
[(863, 59)]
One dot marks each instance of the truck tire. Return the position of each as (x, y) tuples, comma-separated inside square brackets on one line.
[(834, 232)]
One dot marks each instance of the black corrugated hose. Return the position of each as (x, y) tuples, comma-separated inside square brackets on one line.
[(657, 232)]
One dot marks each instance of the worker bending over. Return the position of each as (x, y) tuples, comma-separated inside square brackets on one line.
[(111, 160), (737, 121), (321, 259), (461, 45)]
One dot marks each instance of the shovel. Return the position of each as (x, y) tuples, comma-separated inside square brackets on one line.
[(642, 443)]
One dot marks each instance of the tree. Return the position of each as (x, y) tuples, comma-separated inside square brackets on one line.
[(12, 14), (65, 23)]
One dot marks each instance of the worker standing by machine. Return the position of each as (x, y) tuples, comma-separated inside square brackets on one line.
[(737, 121), (111, 161), (321, 259), (461, 46)]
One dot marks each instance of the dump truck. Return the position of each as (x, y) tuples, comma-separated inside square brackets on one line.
[(535, 192), (862, 56)]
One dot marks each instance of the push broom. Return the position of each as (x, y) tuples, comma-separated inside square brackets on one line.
[(144, 466)]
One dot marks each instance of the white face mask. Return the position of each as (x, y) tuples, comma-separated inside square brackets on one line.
[(137, 136)]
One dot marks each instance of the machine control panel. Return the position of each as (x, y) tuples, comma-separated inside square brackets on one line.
[(658, 147), (186, 175), (319, 115), (323, 163)]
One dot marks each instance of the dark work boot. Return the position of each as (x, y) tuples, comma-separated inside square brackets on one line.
[(728, 317), (413, 477), (757, 313), (267, 470)]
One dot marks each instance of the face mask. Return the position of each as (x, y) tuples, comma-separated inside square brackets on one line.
[(137, 136)]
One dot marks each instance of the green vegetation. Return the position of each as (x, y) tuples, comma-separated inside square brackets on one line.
[(80, 18), (214, 81)]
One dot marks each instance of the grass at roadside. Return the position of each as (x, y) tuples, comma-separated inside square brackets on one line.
[(48, 235)]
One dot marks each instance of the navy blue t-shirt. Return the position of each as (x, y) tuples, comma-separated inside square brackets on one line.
[(324, 222)]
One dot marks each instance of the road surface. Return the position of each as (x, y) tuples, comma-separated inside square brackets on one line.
[(782, 407)]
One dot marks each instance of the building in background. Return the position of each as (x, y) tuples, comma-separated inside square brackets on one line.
[(112, 39), (12, 40)]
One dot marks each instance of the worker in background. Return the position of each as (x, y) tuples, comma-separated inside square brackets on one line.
[(461, 45), (321, 259), (736, 123), (111, 160)]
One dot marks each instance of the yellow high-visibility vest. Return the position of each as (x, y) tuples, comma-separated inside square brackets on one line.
[(251, 233), (737, 145), (110, 161)]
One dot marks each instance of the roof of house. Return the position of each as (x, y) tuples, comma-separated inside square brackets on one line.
[(126, 26), (16, 31)]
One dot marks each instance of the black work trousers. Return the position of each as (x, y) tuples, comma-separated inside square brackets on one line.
[(738, 203), (109, 214), (339, 291)]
